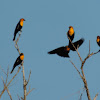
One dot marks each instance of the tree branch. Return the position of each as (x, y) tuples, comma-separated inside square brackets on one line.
[(24, 82), (82, 64), (6, 88), (76, 69), (29, 91), (95, 96), (75, 49), (9, 82)]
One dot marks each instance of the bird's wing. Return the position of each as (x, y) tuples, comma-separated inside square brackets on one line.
[(61, 51), (77, 44)]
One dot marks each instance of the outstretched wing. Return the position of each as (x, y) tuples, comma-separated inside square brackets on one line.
[(61, 51), (77, 44)]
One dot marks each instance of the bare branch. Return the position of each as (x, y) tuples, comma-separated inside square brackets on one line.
[(3, 70), (9, 82), (88, 57), (6, 88), (85, 85), (16, 45), (76, 69), (29, 77), (13, 83), (7, 74), (30, 91), (81, 94), (75, 48), (24, 82), (95, 96)]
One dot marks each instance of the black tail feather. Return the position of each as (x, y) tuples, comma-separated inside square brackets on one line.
[(52, 52), (12, 70)]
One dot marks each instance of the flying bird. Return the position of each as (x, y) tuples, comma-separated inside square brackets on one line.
[(64, 50), (61, 51), (18, 61), (18, 27), (98, 40), (70, 33)]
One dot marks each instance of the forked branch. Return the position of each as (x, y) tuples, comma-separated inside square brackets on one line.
[(82, 71)]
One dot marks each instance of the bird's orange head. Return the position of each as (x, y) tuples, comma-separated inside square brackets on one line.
[(98, 38), (22, 19), (22, 56), (67, 48), (71, 30)]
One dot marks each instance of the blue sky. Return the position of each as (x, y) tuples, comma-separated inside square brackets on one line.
[(47, 21)]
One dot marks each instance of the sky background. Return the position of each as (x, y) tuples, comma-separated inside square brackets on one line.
[(47, 21)]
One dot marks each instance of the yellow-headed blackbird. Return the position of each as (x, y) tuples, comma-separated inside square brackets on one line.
[(18, 61), (18, 27), (71, 33), (98, 40), (63, 51)]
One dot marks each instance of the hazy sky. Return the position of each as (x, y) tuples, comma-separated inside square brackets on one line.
[(47, 21)]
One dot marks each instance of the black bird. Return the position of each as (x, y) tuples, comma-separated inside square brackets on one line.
[(98, 40), (18, 27), (18, 61), (70, 33), (64, 50)]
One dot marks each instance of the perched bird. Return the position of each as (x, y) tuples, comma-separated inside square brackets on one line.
[(18, 61), (98, 40), (64, 50), (18, 27), (70, 33)]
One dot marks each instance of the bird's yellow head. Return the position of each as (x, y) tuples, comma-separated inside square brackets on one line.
[(98, 38), (67, 48), (22, 56), (21, 21), (71, 30)]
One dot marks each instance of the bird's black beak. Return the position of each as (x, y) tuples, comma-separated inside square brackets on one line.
[(24, 20)]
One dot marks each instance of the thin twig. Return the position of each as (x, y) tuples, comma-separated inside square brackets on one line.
[(75, 48), (95, 96), (13, 83), (10, 82), (6, 88), (7, 74), (30, 91), (29, 77), (76, 69), (81, 94), (88, 57), (3, 70)]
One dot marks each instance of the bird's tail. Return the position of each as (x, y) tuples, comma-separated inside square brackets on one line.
[(14, 38), (52, 52), (12, 70), (14, 35)]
